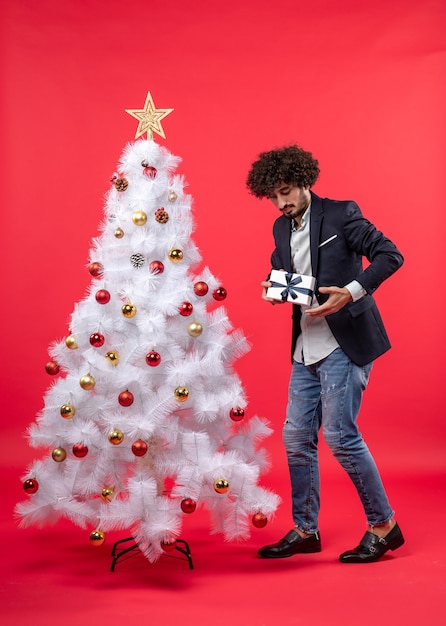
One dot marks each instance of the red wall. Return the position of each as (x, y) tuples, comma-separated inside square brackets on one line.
[(360, 84)]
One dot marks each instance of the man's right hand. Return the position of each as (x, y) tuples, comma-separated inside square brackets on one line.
[(266, 284)]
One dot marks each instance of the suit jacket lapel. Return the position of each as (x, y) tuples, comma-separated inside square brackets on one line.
[(316, 215), (283, 242)]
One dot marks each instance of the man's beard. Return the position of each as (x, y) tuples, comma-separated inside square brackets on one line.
[(295, 213)]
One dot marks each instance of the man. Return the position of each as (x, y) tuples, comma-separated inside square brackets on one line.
[(334, 341)]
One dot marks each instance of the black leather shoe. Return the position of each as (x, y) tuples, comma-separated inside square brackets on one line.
[(291, 544), (372, 547)]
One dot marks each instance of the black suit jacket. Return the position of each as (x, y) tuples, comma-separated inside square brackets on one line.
[(340, 237)]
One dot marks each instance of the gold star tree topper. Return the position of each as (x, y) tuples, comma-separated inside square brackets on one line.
[(149, 118)]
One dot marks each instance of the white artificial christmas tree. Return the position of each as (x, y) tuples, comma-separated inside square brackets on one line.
[(147, 419)]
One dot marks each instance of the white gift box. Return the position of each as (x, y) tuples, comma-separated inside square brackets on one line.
[(287, 287)]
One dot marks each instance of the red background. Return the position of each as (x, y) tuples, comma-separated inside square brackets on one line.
[(360, 84)]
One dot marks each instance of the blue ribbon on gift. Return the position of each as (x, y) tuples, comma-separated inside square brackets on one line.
[(291, 287)]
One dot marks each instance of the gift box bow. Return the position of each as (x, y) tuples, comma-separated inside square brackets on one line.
[(291, 289)]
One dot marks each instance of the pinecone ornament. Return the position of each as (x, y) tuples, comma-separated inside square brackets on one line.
[(161, 216), (121, 184)]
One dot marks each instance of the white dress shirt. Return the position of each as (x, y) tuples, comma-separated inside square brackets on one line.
[(316, 341)]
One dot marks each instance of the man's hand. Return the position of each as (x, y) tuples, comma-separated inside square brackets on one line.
[(338, 298)]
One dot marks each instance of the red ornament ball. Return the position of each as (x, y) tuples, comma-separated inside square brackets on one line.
[(185, 309), (96, 269), (31, 485), (80, 450), (156, 267), (168, 544), (188, 505), (201, 288), (237, 414), (139, 448), (153, 358), (259, 520), (125, 398), (220, 294), (52, 368), (102, 296), (150, 171), (97, 340)]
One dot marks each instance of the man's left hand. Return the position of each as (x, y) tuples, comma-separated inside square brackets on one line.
[(338, 298)]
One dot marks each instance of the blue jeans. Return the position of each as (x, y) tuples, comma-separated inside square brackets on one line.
[(328, 394)]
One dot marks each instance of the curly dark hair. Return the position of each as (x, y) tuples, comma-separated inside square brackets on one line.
[(291, 165)]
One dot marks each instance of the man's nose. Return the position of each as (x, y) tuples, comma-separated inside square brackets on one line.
[(282, 203)]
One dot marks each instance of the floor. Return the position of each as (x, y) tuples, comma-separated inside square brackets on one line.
[(53, 575)]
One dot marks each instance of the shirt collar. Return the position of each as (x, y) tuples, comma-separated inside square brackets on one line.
[(303, 221)]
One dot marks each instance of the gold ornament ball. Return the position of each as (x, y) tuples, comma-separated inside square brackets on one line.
[(59, 455), (195, 329), (97, 538), (181, 394), (221, 485), (116, 437), (112, 357), (128, 310), (67, 411), (139, 218), (175, 255), (119, 233), (107, 494), (71, 342), (172, 196), (87, 382)]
